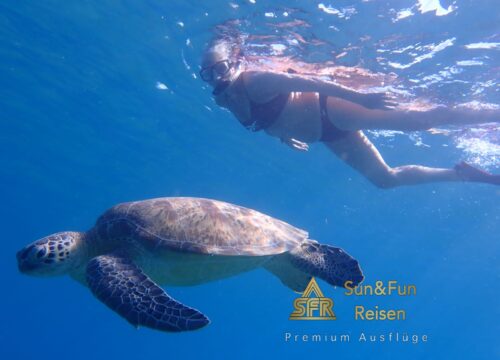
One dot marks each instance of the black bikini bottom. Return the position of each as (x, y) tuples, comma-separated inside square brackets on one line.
[(329, 132)]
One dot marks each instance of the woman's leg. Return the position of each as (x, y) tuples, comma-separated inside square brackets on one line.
[(357, 151), (349, 116)]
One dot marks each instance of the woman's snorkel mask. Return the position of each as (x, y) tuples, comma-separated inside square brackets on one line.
[(217, 74)]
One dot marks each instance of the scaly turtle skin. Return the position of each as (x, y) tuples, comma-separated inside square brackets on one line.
[(135, 247)]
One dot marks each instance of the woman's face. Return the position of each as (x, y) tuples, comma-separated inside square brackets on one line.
[(216, 67)]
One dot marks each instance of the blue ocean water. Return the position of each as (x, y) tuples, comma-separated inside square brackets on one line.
[(100, 104)]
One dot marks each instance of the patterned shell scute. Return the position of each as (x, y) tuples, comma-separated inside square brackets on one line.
[(203, 226)]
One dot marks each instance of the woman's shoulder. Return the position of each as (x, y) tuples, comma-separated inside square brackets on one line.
[(256, 84), (251, 75)]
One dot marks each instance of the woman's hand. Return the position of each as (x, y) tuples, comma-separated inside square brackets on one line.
[(381, 101), (296, 144)]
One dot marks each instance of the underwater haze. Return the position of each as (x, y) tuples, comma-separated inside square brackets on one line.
[(101, 103)]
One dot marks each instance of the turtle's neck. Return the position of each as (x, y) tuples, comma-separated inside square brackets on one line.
[(83, 253), (95, 245), (90, 245)]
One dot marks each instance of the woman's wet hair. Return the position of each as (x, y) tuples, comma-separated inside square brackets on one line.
[(227, 42), (224, 48)]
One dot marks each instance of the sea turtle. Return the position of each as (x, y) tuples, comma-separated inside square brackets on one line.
[(135, 246)]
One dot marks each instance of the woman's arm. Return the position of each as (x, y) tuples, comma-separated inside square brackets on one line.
[(265, 85)]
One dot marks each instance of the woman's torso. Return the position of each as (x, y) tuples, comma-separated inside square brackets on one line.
[(299, 117)]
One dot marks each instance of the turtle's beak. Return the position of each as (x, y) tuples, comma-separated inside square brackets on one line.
[(29, 257), (22, 257), (25, 268)]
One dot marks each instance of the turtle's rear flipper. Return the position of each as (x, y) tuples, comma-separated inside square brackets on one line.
[(329, 263), (124, 288)]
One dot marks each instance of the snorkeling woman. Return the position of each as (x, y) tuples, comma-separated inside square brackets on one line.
[(301, 109)]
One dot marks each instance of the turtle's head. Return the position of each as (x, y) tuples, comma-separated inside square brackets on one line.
[(55, 254)]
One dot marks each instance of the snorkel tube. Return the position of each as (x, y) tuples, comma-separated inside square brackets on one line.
[(223, 84), (221, 87)]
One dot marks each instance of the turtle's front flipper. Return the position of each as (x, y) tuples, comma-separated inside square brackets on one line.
[(124, 288)]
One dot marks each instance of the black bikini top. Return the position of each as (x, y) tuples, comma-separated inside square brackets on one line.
[(263, 115)]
